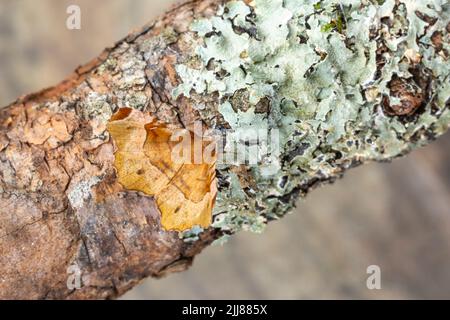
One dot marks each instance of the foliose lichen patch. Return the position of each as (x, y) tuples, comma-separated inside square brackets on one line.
[(346, 82)]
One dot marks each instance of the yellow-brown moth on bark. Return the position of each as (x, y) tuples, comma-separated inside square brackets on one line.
[(184, 192)]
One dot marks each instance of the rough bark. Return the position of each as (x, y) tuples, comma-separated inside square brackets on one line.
[(49, 145), (61, 203)]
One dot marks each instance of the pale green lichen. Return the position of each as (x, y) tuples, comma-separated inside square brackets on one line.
[(132, 70), (137, 100), (321, 66), (109, 64), (81, 192), (192, 234), (97, 106)]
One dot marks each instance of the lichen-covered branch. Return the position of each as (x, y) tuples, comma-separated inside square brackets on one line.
[(342, 82)]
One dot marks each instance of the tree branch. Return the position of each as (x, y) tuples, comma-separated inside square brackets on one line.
[(342, 82)]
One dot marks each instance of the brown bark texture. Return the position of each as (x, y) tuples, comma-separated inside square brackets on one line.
[(51, 145)]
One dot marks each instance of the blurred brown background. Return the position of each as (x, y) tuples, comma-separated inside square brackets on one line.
[(396, 216)]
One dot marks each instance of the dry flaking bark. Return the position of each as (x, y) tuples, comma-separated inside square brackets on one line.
[(61, 203)]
